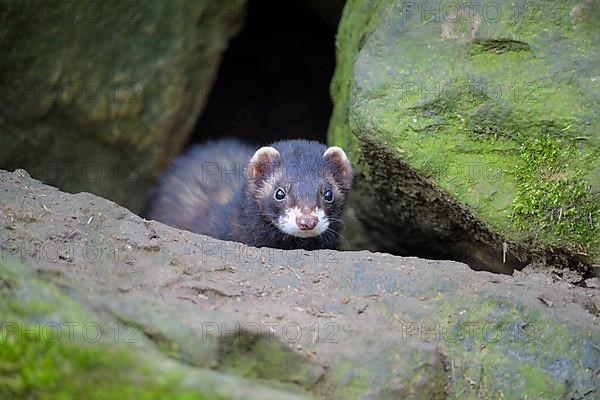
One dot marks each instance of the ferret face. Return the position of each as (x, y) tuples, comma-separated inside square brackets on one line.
[(299, 186)]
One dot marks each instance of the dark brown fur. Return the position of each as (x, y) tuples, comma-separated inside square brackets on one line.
[(208, 190)]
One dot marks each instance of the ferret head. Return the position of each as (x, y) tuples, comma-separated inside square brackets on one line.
[(300, 186)]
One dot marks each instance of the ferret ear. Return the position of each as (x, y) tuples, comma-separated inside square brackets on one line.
[(262, 161), (336, 157)]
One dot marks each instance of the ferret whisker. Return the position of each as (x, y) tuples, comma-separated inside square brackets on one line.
[(336, 220), (333, 232)]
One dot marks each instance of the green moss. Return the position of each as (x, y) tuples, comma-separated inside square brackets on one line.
[(355, 380), (264, 359), (539, 385), (499, 342), (43, 357), (496, 348), (498, 46), (553, 199), (34, 365), (356, 23), (32, 308)]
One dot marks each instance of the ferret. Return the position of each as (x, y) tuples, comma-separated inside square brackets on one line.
[(287, 195)]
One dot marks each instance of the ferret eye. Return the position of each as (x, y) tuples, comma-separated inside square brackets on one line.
[(279, 194), (328, 196)]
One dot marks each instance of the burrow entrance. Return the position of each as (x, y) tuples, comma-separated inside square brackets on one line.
[(274, 83)]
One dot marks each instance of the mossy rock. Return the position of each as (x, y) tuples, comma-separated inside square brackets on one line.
[(98, 97), (223, 320), (474, 130), (54, 347)]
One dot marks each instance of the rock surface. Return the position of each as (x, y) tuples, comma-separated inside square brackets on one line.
[(159, 312), (99, 96), (474, 127)]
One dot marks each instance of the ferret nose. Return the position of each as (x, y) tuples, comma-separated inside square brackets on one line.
[(307, 222)]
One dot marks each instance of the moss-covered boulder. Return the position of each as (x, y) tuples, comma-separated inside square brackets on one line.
[(96, 301), (474, 128), (53, 347), (99, 96)]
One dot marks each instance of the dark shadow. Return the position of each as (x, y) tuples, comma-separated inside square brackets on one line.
[(274, 80)]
